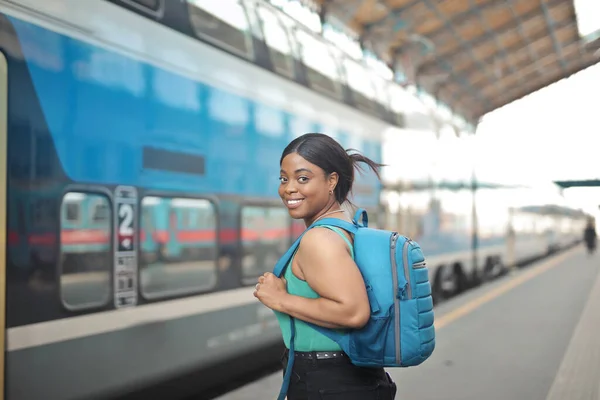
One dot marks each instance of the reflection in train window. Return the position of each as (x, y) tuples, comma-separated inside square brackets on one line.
[(153, 5), (401, 102), (43, 213), (71, 212), (85, 251), (178, 246), (359, 81), (100, 211), (265, 237), (321, 68), (276, 37), (381, 90), (223, 22)]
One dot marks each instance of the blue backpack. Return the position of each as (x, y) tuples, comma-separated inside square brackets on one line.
[(400, 331)]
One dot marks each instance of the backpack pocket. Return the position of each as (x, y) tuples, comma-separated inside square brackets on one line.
[(367, 345)]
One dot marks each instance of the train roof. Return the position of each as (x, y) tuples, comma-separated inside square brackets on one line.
[(554, 210)]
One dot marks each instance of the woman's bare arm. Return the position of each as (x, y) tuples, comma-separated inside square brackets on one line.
[(329, 269)]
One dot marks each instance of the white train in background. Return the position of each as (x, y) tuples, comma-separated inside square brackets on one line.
[(474, 225)]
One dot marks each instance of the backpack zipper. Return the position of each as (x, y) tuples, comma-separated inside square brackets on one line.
[(406, 271), (393, 240)]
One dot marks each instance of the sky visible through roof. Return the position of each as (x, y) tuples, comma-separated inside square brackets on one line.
[(552, 134), (588, 17)]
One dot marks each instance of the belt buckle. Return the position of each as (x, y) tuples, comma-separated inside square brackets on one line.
[(323, 355)]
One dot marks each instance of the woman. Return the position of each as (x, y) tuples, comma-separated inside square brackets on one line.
[(322, 285)]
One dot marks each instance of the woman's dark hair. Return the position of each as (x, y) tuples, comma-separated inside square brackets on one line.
[(329, 155)]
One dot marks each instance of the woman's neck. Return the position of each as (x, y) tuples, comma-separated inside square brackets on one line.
[(333, 209)]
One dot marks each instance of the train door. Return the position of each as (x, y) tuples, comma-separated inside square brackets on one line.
[(3, 188)]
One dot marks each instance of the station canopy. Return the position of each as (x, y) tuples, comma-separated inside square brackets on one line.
[(475, 55)]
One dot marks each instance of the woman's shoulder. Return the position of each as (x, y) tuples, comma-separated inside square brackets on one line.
[(322, 239)]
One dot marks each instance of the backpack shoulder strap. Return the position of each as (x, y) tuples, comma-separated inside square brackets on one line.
[(334, 224), (338, 223), (285, 259)]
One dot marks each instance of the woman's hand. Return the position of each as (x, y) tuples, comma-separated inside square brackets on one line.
[(271, 291)]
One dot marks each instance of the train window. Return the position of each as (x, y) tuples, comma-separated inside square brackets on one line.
[(223, 22), (265, 238), (72, 211), (359, 81), (43, 213), (100, 211), (402, 102), (178, 246), (277, 39), (381, 90), (153, 5), (321, 68), (85, 252)]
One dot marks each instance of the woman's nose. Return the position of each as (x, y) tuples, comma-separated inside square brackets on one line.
[(290, 189)]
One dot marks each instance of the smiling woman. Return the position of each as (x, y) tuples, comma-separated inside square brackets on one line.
[(323, 285)]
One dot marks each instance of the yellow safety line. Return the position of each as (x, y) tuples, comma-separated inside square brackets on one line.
[(474, 304)]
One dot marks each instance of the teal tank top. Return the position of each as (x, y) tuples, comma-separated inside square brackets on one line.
[(307, 339)]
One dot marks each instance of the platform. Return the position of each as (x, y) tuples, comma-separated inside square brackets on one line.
[(532, 335)]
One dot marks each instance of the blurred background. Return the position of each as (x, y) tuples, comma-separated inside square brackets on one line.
[(139, 151)]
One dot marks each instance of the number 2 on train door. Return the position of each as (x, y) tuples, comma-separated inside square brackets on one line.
[(125, 226), (126, 264)]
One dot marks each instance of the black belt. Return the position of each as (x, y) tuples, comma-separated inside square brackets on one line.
[(318, 355)]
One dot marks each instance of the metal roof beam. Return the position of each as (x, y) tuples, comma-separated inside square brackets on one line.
[(499, 31), (552, 28), (525, 66), (463, 16), (518, 47), (482, 67), (532, 52), (510, 98), (499, 46), (394, 13), (581, 183), (344, 10), (462, 80), (455, 33)]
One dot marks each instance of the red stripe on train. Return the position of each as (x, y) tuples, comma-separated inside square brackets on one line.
[(98, 236), (13, 238), (84, 236)]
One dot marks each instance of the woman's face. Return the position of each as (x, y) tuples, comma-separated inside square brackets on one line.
[(305, 187)]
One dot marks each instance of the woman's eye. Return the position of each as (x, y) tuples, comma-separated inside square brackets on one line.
[(303, 179), (282, 179)]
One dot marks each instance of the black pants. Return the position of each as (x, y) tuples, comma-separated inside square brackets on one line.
[(337, 379)]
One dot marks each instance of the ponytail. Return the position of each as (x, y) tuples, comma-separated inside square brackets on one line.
[(356, 158)]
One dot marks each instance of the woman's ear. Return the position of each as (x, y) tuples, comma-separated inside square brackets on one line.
[(333, 181)]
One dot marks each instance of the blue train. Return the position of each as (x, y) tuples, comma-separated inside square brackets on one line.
[(141, 151)]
